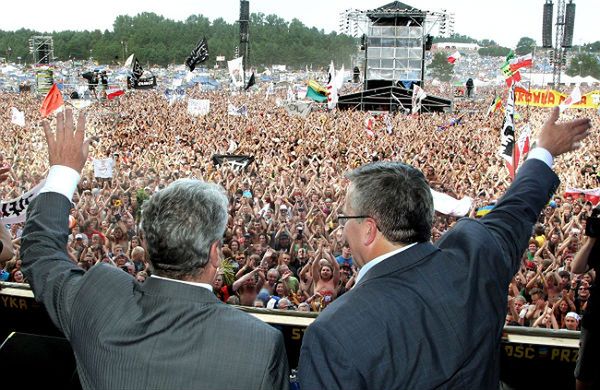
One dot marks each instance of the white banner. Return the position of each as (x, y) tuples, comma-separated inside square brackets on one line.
[(198, 107), (15, 210), (103, 168), (236, 71), (298, 108), (18, 117)]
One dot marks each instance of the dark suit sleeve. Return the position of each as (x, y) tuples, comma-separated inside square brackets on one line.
[(54, 278), (512, 220), (324, 364)]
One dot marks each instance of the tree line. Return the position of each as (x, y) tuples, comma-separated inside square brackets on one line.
[(161, 41)]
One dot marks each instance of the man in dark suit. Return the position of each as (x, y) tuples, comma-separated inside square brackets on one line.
[(425, 316), (170, 332)]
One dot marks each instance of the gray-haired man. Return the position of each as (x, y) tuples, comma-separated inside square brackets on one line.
[(170, 332)]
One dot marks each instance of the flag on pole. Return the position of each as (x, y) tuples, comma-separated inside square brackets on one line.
[(417, 96), (511, 76), (524, 140), (198, 55), (507, 137), (574, 97), (52, 102), (521, 62), (316, 92), (453, 57), (332, 94), (251, 82), (496, 104), (339, 78), (134, 66), (17, 117)]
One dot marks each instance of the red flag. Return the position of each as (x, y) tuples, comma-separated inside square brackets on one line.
[(52, 102), (513, 79), (453, 57), (115, 94), (521, 62)]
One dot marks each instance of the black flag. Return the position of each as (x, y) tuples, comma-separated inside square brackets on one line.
[(137, 69), (251, 82), (198, 55)]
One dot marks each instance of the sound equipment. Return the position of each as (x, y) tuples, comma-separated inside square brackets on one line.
[(547, 24), (569, 26)]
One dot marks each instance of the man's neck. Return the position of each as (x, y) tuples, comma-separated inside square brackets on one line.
[(381, 247)]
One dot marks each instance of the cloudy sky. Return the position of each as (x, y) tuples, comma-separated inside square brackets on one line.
[(505, 21)]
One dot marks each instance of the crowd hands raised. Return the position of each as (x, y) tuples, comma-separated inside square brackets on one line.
[(284, 247)]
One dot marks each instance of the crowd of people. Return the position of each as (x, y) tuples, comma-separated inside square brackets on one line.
[(283, 247)]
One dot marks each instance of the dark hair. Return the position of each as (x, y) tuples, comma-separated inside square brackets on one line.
[(397, 196)]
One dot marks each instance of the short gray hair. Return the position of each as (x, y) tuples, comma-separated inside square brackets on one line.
[(397, 196), (180, 223)]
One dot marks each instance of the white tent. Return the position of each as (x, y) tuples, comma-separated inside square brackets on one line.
[(589, 80)]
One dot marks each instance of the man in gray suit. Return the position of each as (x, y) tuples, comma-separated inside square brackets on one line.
[(170, 332), (424, 316)]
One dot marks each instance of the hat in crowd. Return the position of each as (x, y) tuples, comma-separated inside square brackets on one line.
[(572, 314), (263, 295), (79, 236), (283, 207)]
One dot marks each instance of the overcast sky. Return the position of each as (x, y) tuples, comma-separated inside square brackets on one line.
[(504, 21)]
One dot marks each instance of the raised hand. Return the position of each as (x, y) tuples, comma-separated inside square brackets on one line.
[(559, 138), (66, 146)]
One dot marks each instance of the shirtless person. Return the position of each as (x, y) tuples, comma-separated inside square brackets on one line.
[(326, 276)]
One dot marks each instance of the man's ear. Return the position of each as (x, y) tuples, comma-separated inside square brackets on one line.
[(370, 233), (214, 256)]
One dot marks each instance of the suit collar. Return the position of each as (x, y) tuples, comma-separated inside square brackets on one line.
[(401, 261), (180, 291)]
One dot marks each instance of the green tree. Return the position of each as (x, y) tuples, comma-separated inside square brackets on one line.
[(158, 40), (493, 51), (584, 65), (524, 46), (440, 67)]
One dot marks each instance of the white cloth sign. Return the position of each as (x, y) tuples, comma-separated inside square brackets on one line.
[(445, 204), (15, 210), (18, 117), (103, 168), (198, 107), (298, 108), (236, 71)]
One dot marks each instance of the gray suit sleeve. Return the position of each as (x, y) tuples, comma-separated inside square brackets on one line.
[(512, 220), (54, 278), (324, 364), (277, 375)]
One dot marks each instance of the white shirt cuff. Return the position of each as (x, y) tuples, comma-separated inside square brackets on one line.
[(541, 154), (61, 179)]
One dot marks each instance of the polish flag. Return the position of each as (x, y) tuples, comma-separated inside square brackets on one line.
[(521, 62), (453, 57)]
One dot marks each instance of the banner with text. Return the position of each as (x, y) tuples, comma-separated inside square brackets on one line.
[(552, 98), (15, 210)]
